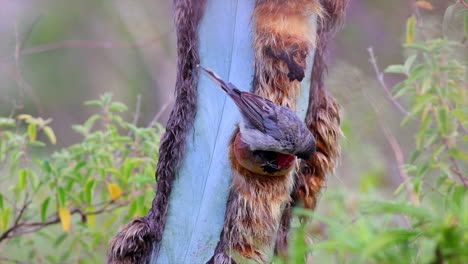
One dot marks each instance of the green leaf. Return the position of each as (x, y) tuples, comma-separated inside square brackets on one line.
[(396, 69), (385, 240), (22, 179), (61, 196), (442, 119), (32, 132), (50, 134), (7, 122), (93, 103), (36, 144), (89, 191), (459, 154), (410, 28), (409, 62), (46, 166), (117, 107), (1, 201), (44, 207), (5, 218), (91, 120), (395, 208)]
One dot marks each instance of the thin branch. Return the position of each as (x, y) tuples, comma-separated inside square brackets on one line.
[(21, 81), (19, 229), (380, 78), (91, 44), (11, 260), (463, 3), (17, 220), (397, 152), (159, 114), (136, 115), (399, 157)]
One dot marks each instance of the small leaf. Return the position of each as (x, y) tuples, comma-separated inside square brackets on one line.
[(50, 134), (442, 118), (44, 207), (459, 154), (22, 179), (89, 192), (65, 218), (410, 26), (395, 208), (5, 218), (409, 62), (117, 107), (7, 122), (24, 117), (424, 4), (114, 191), (387, 239), (61, 196), (32, 131), (36, 144), (1, 201), (93, 103), (396, 69)]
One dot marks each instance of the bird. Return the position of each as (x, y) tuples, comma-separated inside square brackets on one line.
[(266, 126)]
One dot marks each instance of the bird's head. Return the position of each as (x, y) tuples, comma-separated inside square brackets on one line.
[(307, 148)]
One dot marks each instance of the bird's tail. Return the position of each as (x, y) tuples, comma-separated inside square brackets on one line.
[(216, 79)]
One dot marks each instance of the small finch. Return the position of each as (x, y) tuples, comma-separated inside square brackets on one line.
[(267, 126)]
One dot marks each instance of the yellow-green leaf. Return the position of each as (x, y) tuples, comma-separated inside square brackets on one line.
[(65, 218), (459, 154), (5, 218), (424, 4), (32, 131), (50, 134), (410, 27), (22, 179), (114, 190), (24, 117)]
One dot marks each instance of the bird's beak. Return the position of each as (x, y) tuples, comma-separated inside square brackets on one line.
[(213, 76)]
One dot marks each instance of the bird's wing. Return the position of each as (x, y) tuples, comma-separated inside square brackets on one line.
[(256, 109)]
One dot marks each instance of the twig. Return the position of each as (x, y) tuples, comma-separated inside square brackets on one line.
[(397, 152), (380, 78), (136, 115), (17, 220), (463, 3), (21, 81), (399, 157), (19, 229), (91, 44), (11, 260), (159, 114)]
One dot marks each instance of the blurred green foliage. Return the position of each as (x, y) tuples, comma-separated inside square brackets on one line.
[(64, 208), (426, 218)]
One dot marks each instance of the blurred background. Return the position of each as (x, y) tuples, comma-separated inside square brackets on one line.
[(54, 55)]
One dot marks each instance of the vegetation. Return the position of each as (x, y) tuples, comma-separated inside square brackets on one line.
[(64, 208), (426, 218)]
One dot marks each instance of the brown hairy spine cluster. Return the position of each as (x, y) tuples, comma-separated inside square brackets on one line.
[(134, 243), (323, 119), (283, 38)]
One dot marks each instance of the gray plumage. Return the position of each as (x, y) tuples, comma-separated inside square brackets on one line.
[(268, 126)]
